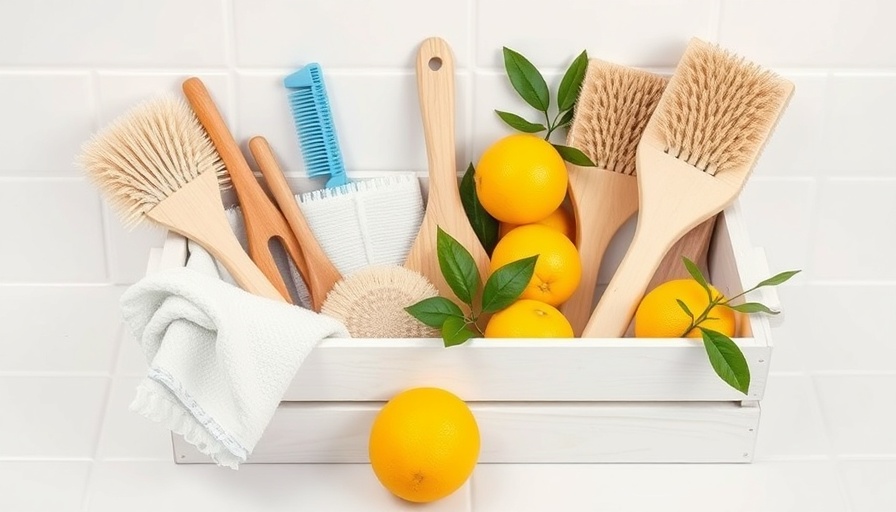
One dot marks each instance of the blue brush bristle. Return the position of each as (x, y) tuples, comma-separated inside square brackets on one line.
[(314, 124)]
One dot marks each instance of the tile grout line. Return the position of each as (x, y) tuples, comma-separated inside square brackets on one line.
[(829, 443), (230, 51), (91, 472), (105, 221), (471, 84)]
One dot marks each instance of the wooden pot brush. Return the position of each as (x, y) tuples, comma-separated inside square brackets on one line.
[(693, 159), (156, 163), (613, 107)]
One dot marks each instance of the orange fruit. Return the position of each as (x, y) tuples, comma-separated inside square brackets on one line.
[(558, 269), (659, 315), (560, 219), (424, 444), (520, 179), (528, 318)]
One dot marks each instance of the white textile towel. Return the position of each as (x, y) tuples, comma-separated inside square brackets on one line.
[(219, 358)]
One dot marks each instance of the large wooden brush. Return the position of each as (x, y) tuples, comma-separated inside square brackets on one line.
[(693, 159), (156, 163), (613, 107)]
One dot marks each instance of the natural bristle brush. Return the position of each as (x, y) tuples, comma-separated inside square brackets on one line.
[(314, 124), (693, 159), (613, 107), (156, 163)]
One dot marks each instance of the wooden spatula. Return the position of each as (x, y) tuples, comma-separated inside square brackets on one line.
[(435, 86), (263, 220)]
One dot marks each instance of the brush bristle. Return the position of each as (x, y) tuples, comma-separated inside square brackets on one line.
[(147, 154), (613, 108), (719, 108), (371, 303)]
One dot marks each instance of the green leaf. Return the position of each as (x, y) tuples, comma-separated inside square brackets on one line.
[(753, 307), (526, 80), (507, 283), (484, 225), (566, 119), (572, 82), (518, 123), (434, 311), (778, 279), (455, 331), (458, 266), (727, 360), (684, 306), (573, 155), (697, 275)]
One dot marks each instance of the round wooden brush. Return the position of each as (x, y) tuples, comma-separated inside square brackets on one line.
[(693, 159), (613, 107), (156, 163), (371, 302)]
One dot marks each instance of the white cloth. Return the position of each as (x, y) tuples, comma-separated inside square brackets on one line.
[(219, 358)]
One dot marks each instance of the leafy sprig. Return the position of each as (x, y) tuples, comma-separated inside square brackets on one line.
[(501, 289), (529, 83), (725, 356)]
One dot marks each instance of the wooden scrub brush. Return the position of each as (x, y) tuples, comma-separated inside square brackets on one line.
[(693, 159), (371, 303), (156, 163), (614, 105)]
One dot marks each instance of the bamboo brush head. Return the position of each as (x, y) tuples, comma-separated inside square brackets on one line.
[(147, 154), (613, 108), (371, 302), (718, 109)]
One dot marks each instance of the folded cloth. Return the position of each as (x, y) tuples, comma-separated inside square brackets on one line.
[(219, 358)]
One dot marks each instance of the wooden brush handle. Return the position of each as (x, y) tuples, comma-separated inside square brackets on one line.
[(195, 211), (694, 245), (260, 216), (324, 275), (603, 201)]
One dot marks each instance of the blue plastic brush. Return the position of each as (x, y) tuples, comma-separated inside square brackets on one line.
[(314, 124)]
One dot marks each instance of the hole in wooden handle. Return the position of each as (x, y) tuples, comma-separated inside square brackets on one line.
[(435, 63)]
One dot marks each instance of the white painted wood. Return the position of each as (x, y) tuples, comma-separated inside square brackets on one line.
[(523, 370), (525, 433), (620, 369)]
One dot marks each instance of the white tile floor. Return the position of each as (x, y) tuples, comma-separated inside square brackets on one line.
[(825, 443)]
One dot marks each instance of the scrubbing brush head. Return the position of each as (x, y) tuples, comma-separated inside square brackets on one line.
[(718, 109), (147, 154), (614, 105)]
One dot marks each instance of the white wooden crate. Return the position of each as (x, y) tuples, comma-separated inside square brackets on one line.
[(536, 400)]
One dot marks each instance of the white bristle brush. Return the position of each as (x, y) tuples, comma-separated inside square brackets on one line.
[(155, 163)]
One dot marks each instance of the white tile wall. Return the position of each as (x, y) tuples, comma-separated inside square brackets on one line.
[(30, 486), (49, 329), (822, 199), (53, 113)]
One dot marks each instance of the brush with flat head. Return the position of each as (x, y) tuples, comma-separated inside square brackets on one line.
[(693, 159), (613, 107), (155, 163)]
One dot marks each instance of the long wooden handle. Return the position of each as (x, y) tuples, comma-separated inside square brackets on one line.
[(255, 205), (319, 272), (435, 85)]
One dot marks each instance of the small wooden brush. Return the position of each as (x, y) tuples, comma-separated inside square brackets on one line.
[(693, 159), (156, 163), (613, 107)]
